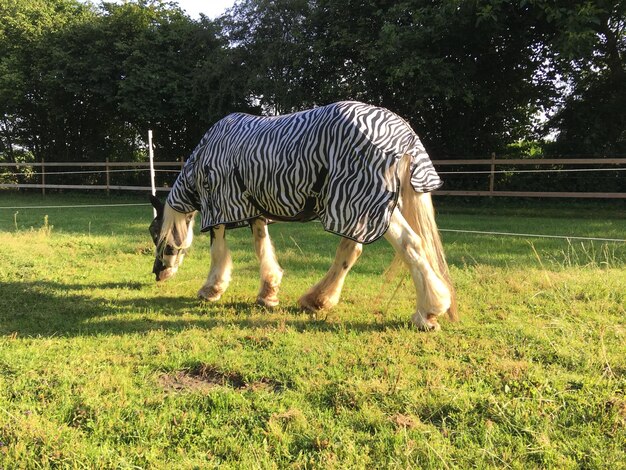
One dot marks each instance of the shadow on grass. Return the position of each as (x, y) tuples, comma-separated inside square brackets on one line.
[(46, 309)]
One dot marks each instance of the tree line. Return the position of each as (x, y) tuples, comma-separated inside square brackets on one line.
[(82, 81)]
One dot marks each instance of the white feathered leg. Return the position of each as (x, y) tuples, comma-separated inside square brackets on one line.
[(433, 295), (325, 294), (221, 267), (271, 272)]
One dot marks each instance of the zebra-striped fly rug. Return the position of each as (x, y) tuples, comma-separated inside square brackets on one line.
[(337, 163)]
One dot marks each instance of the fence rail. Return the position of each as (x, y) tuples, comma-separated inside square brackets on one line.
[(107, 170), (494, 162), (492, 165)]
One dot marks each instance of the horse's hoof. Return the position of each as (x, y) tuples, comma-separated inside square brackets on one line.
[(267, 302), (210, 294), (428, 324), (311, 304), (268, 295), (429, 327)]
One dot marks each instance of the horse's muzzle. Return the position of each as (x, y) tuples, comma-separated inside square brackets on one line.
[(161, 272)]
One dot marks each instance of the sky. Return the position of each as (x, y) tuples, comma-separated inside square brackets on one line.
[(211, 8)]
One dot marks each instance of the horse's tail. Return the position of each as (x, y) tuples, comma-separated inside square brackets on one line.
[(417, 209)]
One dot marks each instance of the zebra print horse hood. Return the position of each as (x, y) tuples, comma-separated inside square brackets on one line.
[(337, 163)]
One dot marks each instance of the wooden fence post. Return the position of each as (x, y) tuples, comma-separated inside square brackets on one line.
[(492, 172), (182, 162), (43, 177), (106, 166)]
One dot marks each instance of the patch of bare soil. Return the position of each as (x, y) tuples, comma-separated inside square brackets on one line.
[(206, 377)]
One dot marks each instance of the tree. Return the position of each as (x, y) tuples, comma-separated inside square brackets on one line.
[(82, 84), (270, 39), (177, 77), (26, 101), (589, 55), (463, 73)]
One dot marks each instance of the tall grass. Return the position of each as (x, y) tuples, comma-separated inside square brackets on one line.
[(102, 368)]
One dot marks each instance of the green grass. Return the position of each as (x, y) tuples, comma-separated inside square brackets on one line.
[(100, 367)]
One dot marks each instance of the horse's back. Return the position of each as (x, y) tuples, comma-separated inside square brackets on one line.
[(343, 155)]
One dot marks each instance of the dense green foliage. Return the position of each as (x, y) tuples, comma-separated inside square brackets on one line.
[(102, 368), (86, 82)]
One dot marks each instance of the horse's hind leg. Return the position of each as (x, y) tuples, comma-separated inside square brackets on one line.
[(433, 296), (221, 267), (325, 294), (271, 272)]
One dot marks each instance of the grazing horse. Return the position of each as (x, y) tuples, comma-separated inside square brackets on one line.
[(359, 169)]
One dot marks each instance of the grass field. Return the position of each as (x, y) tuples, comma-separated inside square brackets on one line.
[(100, 367)]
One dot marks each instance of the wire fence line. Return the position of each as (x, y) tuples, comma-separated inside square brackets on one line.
[(450, 230), (73, 206), (553, 170), (533, 235), (90, 172), (84, 172)]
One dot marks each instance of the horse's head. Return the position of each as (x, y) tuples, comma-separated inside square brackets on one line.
[(172, 233)]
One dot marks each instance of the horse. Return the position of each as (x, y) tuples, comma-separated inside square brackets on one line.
[(359, 169)]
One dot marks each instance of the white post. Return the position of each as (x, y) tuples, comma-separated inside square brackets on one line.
[(152, 175)]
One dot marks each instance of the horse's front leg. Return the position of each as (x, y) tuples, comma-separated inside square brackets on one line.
[(433, 296), (271, 272), (325, 294), (221, 267)]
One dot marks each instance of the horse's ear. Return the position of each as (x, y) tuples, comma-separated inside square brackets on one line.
[(158, 205)]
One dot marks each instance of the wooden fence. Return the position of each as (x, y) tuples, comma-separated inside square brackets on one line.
[(108, 168), (491, 167), (494, 164)]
